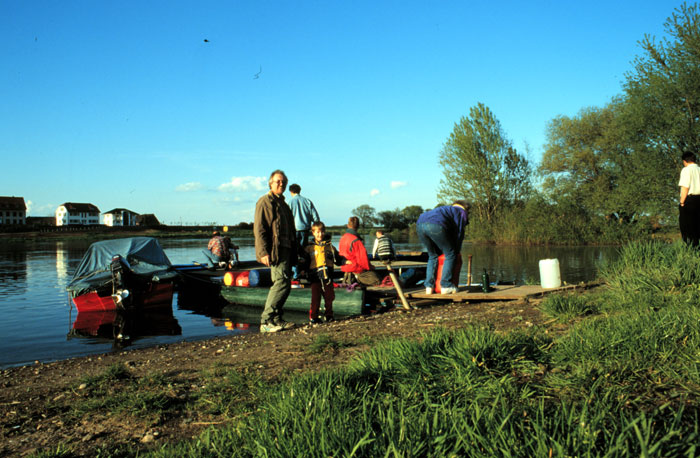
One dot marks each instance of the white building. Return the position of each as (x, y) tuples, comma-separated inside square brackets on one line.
[(120, 217), (73, 213)]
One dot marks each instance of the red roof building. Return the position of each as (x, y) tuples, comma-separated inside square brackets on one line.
[(13, 210)]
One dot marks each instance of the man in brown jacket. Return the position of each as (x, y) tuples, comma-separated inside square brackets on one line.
[(275, 247)]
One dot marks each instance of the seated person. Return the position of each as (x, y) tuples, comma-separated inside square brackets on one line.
[(357, 266), (233, 251), (219, 249), (383, 247)]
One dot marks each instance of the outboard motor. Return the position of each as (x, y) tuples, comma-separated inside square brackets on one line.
[(120, 293)]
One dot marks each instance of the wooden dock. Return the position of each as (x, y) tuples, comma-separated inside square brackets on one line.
[(474, 293)]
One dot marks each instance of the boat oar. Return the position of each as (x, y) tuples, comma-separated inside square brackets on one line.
[(397, 285), (469, 272)]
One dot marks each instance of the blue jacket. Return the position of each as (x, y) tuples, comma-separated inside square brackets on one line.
[(304, 212), (454, 219)]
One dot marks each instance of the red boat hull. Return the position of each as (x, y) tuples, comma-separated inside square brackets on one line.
[(156, 295)]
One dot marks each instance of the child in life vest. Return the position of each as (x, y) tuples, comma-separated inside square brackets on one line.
[(319, 258)]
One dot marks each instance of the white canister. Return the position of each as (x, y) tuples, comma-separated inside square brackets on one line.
[(549, 273)]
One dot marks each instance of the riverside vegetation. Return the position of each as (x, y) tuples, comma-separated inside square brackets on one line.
[(613, 373)]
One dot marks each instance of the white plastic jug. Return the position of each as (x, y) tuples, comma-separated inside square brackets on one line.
[(549, 273)]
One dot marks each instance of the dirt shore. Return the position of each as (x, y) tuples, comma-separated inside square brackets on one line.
[(35, 400)]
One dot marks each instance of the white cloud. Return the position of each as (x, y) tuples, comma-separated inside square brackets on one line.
[(29, 204), (238, 184), (191, 186), (41, 210), (374, 192), (398, 184)]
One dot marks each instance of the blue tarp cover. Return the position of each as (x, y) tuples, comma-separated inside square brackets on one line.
[(143, 254)]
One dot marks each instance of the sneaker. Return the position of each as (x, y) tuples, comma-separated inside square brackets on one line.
[(429, 290), (270, 327), (329, 319), (284, 324), (315, 321), (448, 290)]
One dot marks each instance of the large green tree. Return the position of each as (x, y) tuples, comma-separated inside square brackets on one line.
[(411, 213), (587, 162), (392, 219), (366, 214), (480, 164)]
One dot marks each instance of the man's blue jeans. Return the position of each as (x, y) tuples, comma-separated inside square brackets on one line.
[(438, 241)]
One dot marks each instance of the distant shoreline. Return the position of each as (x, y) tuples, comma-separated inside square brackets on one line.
[(106, 232)]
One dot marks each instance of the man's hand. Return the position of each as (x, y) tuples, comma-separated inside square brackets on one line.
[(265, 260)]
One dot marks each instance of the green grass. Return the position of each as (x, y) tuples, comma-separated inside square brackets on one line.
[(653, 274), (118, 392), (325, 342), (227, 392), (568, 306), (465, 393)]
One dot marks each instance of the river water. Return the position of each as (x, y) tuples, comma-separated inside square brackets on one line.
[(38, 319)]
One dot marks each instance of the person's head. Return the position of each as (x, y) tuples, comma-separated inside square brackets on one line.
[(688, 157), (379, 233), (278, 182), (216, 233), (462, 203), (318, 229), (294, 188), (353, 222)]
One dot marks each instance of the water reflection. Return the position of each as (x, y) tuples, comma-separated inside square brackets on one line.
[(62, 258), (123, 327), (13, 273), (244, 317)]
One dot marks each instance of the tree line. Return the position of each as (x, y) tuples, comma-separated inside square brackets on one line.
[(606, 174)]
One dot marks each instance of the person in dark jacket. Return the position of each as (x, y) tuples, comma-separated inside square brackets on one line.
[(441, 231), (275, 247)]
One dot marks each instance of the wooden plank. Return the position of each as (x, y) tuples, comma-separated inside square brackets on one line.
[(499, 293), (379, 265)]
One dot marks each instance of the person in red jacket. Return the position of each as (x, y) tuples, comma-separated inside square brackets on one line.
[(355, 253)]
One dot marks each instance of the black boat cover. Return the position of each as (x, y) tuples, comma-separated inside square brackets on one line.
[(144, 257)]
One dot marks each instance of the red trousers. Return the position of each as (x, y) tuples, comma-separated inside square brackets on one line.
[(328, 295)]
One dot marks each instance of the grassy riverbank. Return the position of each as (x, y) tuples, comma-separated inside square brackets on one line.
[(622, 380), (613, 373)]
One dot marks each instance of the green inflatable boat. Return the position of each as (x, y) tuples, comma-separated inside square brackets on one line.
[(346, 303)]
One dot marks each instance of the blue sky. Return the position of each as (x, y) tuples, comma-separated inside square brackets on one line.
[(124, 104)]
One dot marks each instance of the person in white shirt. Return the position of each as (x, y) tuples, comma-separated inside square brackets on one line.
[(689, 208)]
